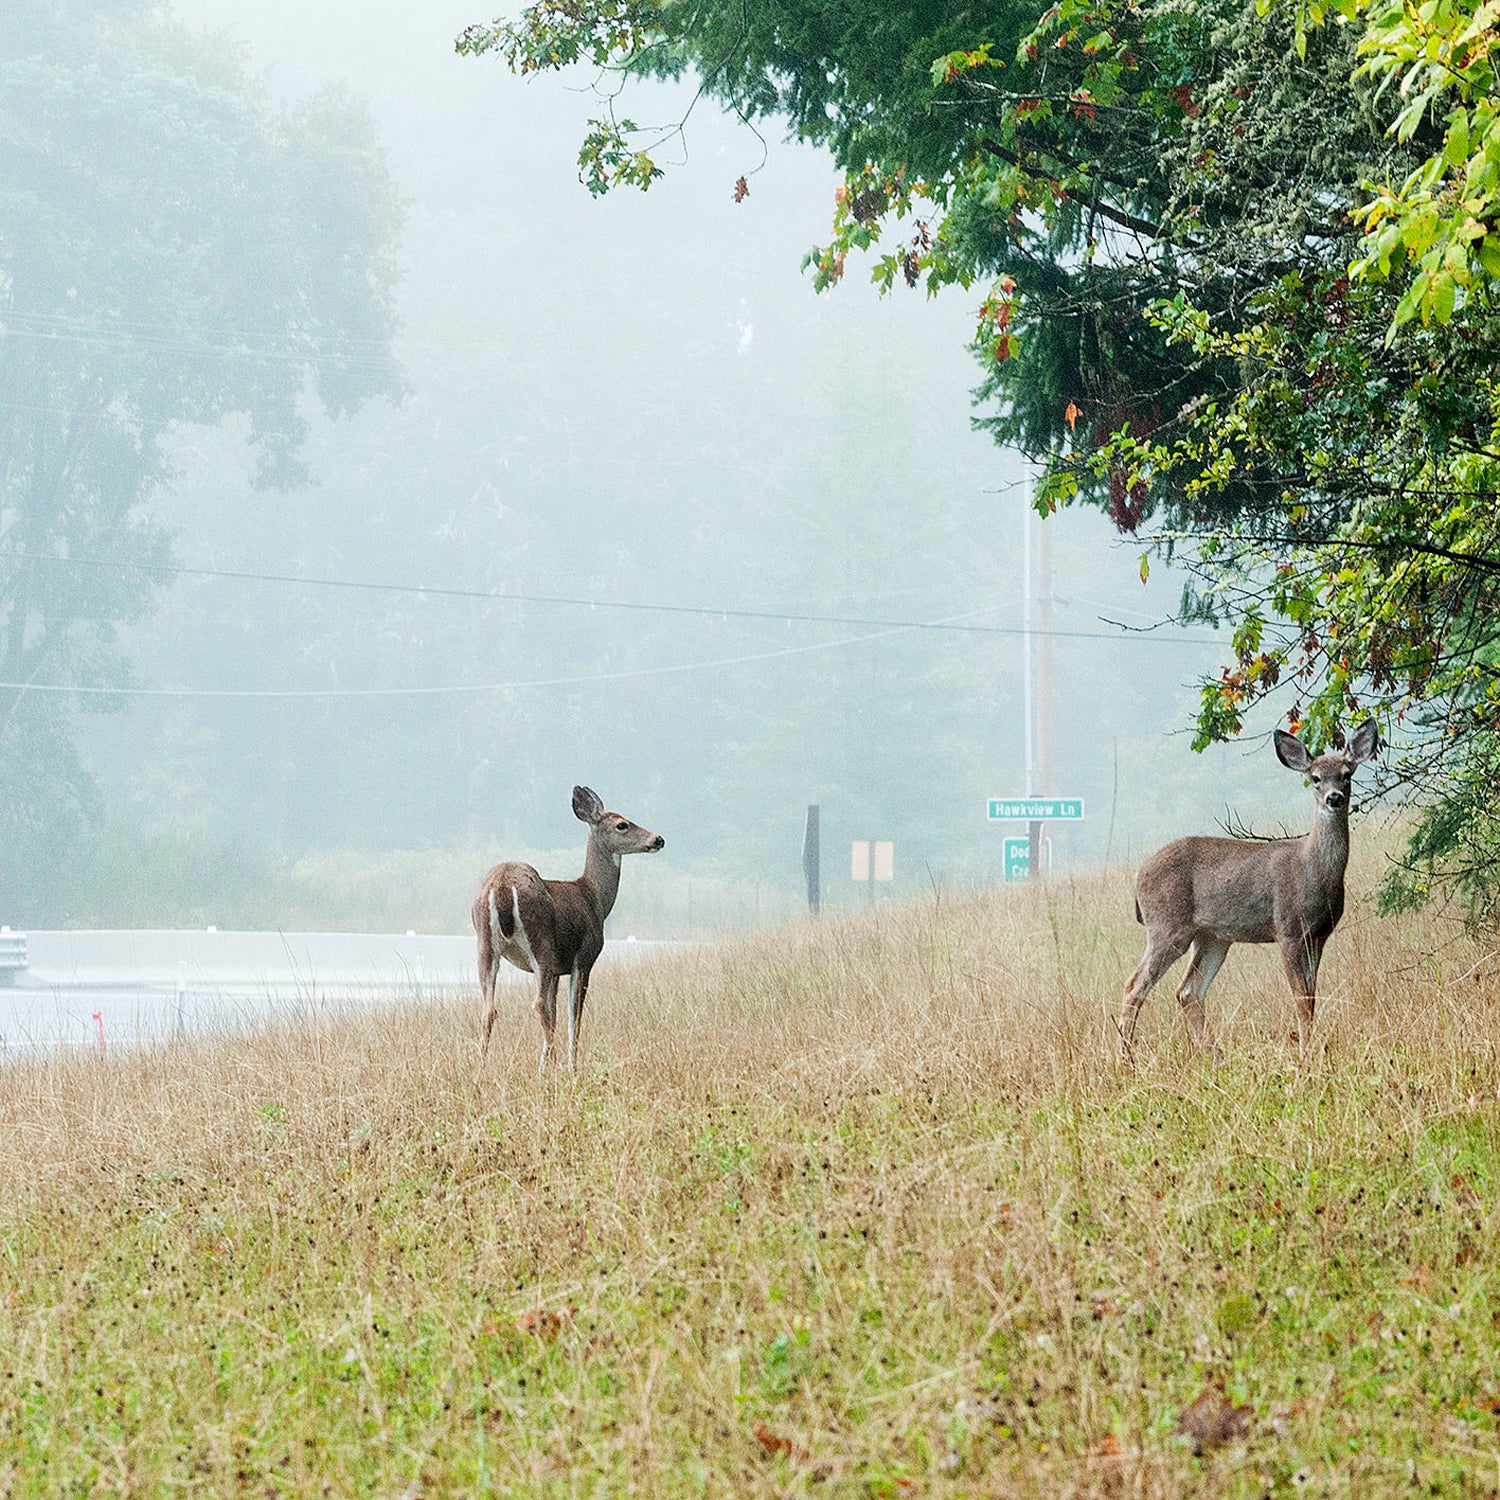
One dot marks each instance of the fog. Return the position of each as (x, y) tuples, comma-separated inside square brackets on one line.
[(638, 510)]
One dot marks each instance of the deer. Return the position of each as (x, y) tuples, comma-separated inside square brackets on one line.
[(554, 927), (1200, 896)]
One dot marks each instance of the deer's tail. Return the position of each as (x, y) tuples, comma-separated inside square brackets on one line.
[(504, 919)]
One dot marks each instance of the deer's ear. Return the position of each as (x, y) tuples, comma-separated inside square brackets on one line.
[(1291, 752), (1366, 742), (587, 807)]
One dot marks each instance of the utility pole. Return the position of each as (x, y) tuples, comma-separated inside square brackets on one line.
[(1036, 679), (1029, 788)]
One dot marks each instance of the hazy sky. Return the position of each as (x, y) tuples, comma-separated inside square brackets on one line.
[(619, 377)]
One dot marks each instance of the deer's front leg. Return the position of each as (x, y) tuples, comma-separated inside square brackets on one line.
[(1300, 958), (578, 989)]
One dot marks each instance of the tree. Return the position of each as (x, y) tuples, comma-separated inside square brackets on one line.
[(174, 249), (1440, 221), (1163, 204)]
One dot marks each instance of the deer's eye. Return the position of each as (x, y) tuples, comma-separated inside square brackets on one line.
[(621, 827), (1316, 780)]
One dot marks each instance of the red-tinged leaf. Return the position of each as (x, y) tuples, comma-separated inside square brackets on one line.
[(1072, 415), (1212, 1420), (741, 190), (545, 1322), (1106, 1460), (774, 1443)]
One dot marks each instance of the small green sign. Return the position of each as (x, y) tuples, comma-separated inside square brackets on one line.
[(1017, 859), (1035, 809)]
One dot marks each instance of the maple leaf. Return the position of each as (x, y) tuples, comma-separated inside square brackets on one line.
[(1072, 415)]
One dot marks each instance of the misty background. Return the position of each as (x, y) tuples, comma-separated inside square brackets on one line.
[(640, 402)]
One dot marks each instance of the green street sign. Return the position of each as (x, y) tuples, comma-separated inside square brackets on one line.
[(1035, 809), (1017, 859)]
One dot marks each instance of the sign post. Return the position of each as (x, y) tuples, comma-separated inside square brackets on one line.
[(1027, 856), (812, 864), (872, 860)]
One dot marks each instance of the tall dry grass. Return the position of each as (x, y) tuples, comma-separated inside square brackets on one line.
[(860, 1207)]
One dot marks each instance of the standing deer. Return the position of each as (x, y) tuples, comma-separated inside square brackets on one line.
[(554, 927), (1200, 895)]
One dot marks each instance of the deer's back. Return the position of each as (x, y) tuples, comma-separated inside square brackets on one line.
[(1227, 888)]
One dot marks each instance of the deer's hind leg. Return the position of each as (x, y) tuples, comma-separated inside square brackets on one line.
[(488, 960), (546, 1009), (1162, 951), (1204, 959)]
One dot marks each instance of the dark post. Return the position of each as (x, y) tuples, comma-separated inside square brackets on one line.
[(812, 865)]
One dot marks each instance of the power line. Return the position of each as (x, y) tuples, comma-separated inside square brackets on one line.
[(114, 328), (455, 688), (700, 611), (190, 348)]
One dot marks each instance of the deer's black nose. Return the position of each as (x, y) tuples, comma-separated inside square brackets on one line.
[(1334, 799), (660, 843)]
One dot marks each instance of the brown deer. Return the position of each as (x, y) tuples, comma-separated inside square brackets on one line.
[(1201, 895), (554, 927)]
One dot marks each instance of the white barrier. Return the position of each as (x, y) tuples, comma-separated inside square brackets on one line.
[(264, 960)]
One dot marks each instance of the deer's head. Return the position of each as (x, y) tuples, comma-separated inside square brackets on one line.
[(1330, 775), (609, 831)]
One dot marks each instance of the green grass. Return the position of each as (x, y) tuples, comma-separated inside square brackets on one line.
[(868, 1209)]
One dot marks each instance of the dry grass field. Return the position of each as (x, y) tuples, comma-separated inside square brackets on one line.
[(867, 1208)]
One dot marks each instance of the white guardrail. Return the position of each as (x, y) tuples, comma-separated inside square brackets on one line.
[(12, 954), (164, 958), (132, 987)]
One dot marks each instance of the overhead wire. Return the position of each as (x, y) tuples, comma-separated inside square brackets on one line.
[(454, 689), (166, 338), (950, 623)]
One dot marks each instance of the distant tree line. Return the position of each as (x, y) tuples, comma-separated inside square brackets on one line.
[(175, 249)]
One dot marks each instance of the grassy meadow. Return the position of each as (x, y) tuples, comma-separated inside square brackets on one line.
[(861, 1208)]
